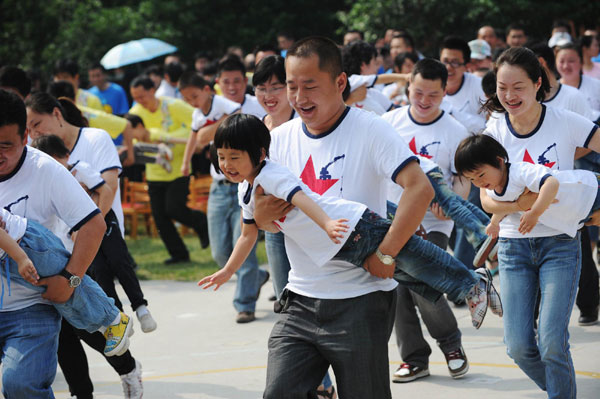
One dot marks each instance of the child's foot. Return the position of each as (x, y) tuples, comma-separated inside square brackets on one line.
[(477, 299), (165, 151), (117, 336), (145, 318), (162, 161), (494, 302), (487, 250)]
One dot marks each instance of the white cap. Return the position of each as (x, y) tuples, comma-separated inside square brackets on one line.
[(480, 49), (559, 38)]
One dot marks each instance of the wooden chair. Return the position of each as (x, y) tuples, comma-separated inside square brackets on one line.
[(199, 190), (136, 202)]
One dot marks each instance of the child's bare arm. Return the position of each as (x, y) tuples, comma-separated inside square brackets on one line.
[(493, 229), (546, 197), (190, 147), (387, 78), (240, 252), (333, 228), (13, 250)]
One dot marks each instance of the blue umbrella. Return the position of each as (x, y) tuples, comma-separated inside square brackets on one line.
[(135, 51)]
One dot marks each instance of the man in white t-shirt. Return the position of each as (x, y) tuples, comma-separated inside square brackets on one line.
[(168, 86), (343, 152), (435, 135), (35, 186)]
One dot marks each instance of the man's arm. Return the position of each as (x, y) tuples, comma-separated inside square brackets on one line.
[(84, 251), (413, 204)]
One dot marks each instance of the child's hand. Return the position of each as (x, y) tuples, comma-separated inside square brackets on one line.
[(492, 230), (438, 212), (28, 271), (217, 279), (335, 228), (185, 170), (528, 222)]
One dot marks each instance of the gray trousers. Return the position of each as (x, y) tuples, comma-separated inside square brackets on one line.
[(350, 334), (438, 319)]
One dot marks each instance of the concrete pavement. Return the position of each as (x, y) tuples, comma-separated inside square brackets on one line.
[(199, 352)]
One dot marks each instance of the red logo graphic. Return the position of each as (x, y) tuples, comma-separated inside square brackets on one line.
[(527, 158), (308, 176)]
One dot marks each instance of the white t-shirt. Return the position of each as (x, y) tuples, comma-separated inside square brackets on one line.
[(279, 181), (552, 144), (354, 160), (15, 226), (375, 101), (84, 174), (390, 89), (571, 99), (95, 147), (166, 90), (590, 88), (576, 195), (436, 141), (251, 106), (467, 100), (43, 190)]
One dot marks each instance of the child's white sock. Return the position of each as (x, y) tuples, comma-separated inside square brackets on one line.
[(141, 310), (102, 329)]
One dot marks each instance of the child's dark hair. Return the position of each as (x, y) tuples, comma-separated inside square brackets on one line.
[(525, 59), (488, 84), (51, 145), (355, 54), (192, 79), (476, 151), (402, 57), (242, 132), (273, 65), (134, 120)]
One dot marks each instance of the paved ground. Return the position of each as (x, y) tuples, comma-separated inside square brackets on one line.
[(198, 351)]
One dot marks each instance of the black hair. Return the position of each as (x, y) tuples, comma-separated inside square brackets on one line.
[(330, 57), (202, 54), (44, 103), (561, 23), (154, 70), (355, 54), (488, 84), (403, 56), (431, 69), (525, 59), (51, 145), (515, 26), (61, 88), (12, 111), (142, 80), (231, 62), (242, 132), (408, 39), (68, 66), (265, 47), (135, 120), (542, 50), (273, 65), (476, 151), (384, 50), (456, 43), (174, 70), (192, 79), (286, 34), (571, 46), (15, 78), (97, 65), (586, 40)]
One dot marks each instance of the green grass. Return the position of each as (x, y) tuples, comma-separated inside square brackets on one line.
[(149, 254)]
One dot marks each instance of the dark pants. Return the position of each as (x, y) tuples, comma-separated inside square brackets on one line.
[(73, 361), (438, 319), (113, 260), (588, 296), (168, 201), (350, 334)]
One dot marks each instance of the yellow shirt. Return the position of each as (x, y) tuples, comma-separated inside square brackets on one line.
[(113, 124), (88, 99), (173, 118)]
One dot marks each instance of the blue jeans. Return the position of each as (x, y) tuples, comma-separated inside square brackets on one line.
[(278, 260), (551, 266), (29, 340), (88, 308), (463, 250), (421, 266), (224, 228), (465, 215)]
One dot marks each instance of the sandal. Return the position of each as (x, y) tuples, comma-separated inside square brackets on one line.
[(325, 394)]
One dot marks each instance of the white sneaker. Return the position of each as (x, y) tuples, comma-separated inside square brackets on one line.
[(164, 162), (165, 151), (147, 322), (132, 383)]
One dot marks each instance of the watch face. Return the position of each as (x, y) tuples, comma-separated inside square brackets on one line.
[(74, 281), (387, 260)]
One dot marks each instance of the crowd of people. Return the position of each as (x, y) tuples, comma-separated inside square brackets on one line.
[(362, 162)]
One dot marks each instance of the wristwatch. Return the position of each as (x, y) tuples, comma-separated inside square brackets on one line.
[(385, 259), (74, 280)]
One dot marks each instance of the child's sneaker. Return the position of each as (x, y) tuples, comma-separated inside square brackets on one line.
[(146, 321), (165, 151), (487, 250), (494, 302), (477, 299), (117, 336), (164, 162), (132, 382)]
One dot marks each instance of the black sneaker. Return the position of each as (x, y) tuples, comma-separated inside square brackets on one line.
[(588, 318), (408, 373), (458, 365), (173, 260)]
